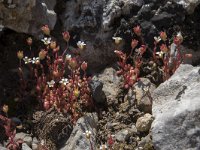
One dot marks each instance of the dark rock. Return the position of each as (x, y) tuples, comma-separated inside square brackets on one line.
[(97, 93)]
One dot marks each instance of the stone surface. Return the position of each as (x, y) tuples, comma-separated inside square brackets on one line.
[(25, 147), (176, 109), (78, 140), (29, 16), (97, 93), (122, 135), (144, 123), (25, 137)]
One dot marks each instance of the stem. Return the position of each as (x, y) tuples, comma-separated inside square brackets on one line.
[(65, 49)]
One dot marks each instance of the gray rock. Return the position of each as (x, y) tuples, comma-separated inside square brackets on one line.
[(143, 123), (78, 140), (122, 135), (176, 109), (25, 137), (29, 16), (35, 143), (97, 93), (189, 5), (3, 148), (25, 147)]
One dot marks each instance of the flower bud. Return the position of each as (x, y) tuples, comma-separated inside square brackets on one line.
[(134, 43), (76, 92), (66, 36), (20, 54), (5, 108), (45, 29), (84, 66), (73, 63), (53, 44), (137, 30), (42, 54), (46, 105), (163, 36), (188, 55), (29, 41)]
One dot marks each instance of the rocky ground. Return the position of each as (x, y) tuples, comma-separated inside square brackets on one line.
[(126, 116)]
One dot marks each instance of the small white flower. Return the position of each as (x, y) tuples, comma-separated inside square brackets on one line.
[(81, 44), (117, 39), (160, 54), (35, 60), (157, 39), (51, 83), (179, 35), (68, 56), (64, 81), (27, 60), (87, 134), (103, 147), (46, 41)]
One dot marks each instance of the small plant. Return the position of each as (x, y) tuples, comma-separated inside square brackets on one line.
[(10, 131), (59, 79)]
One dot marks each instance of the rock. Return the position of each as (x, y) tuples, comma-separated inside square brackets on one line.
[(77, 140), (25, 137), (143, 123), (97, 93), (35, 143), (189, 5), (25, 147), (176, 109), (111, 83), (141, 91), (3, 148), (146, 143), (52, 127), (122, 135), (29, 16)]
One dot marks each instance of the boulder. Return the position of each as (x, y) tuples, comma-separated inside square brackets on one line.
[(176, 108), (27, 16)]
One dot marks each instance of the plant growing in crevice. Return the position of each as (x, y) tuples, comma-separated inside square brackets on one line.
[(59, 79)]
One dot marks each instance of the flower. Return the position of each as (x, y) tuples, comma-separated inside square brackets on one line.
[(163, 36), (84, 66), (134, 43), (29, 41), (160, 54), (73, 63), (103, 147), (178, 39), (87, 134), (51, 83), (64, 81), (66, 36), (46, 41), (42, 54), (27, 60), (35, 60), (20, 54), (117, 39), (45, 29), (81, 44), (137, 30), (157, 39)]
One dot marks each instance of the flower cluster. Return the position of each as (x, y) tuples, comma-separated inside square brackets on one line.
[(61, 80)]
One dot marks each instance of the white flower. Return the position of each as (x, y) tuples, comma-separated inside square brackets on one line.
[(117, 39), (81, 44), (157, 39), (27, 60), (46, 41), (179, 36), (68, 56), (64, 81), (35, 60), (103, 147), (51, 83), (87, 134), (160, 54)]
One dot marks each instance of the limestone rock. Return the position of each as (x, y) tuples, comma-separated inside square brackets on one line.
[(176, 109)]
